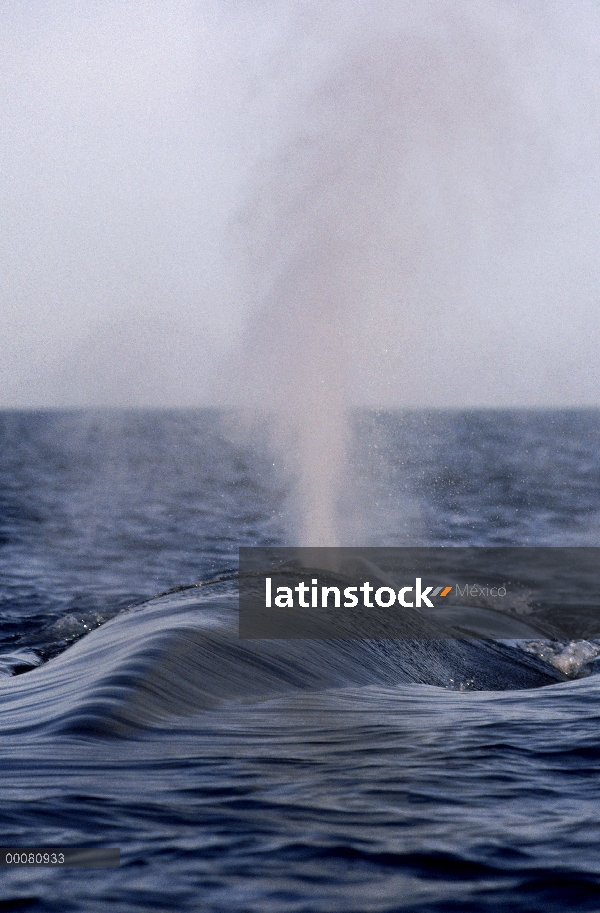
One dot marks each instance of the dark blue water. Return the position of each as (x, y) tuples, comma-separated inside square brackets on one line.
[(279, 776)]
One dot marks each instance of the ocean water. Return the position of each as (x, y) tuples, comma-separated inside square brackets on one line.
[(280, 776)]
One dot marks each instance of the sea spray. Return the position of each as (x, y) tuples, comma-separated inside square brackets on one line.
[(408, 186)]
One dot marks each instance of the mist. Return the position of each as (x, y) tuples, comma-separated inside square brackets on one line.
[(408, 237), (297, 209)]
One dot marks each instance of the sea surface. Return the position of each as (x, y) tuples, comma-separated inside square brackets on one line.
[(284, 776)]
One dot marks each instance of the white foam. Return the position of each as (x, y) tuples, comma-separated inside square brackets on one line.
[(569, 657)]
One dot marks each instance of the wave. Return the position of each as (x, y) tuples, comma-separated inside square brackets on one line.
[(179, 654)]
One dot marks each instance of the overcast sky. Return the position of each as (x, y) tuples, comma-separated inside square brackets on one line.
[(178, 178)]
